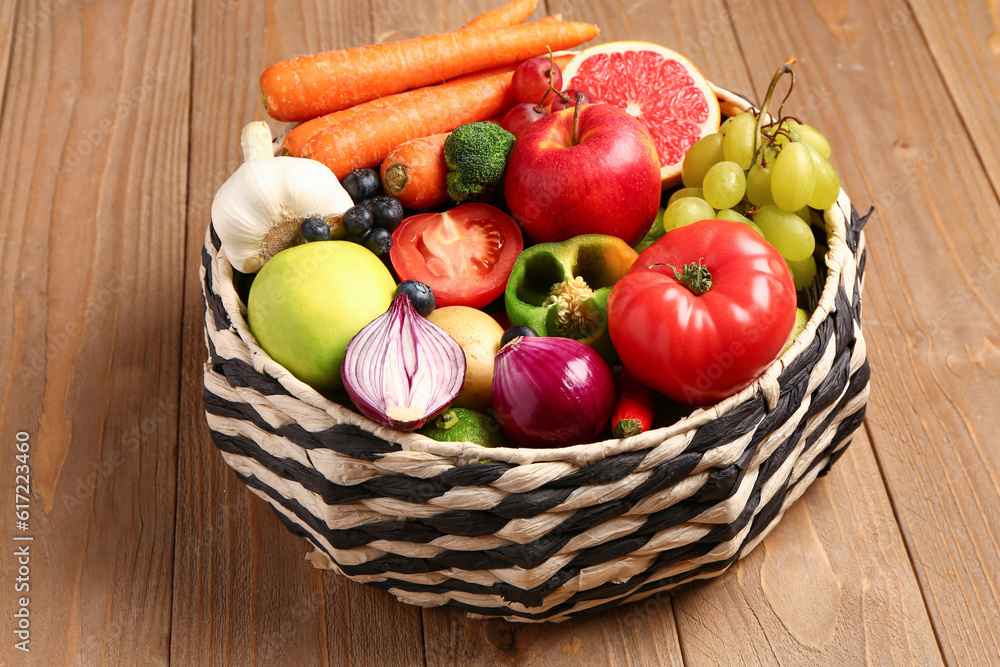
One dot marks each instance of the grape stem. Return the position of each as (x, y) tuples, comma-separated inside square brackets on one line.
[(786, 68)]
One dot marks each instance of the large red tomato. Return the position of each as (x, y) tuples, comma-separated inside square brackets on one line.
[(465, 255), (699, 347)]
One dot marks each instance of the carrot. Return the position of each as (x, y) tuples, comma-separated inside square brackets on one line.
[(300, 135), (414, 172), (310, 86), (510, 13), (633, 411), (365, 139)]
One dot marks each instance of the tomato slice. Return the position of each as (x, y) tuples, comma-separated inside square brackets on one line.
[(465, 254)]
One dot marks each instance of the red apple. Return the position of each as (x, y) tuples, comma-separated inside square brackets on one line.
[(607, 181)]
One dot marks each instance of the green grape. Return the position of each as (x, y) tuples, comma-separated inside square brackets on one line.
[(794, 177), (805, 214), (791, 133), (685, 212), (803, 271), (827, 182), (786, 232), (725, 125), (811, 136), (737, 145), (725, 184), (699, 159), (730, 214), (759, 180), (686, 192)]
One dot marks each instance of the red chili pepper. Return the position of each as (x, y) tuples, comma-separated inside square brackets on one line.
[(633, 411)]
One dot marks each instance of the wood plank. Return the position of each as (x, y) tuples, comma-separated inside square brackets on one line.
[(243, 593), (8, 10), (932, 290), (963, 37), (94, 134), (830, 585)]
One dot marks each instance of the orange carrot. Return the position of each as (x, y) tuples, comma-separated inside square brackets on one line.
[(365, 139), (510, 13), (300, 135), (414, 172), (310, 86)]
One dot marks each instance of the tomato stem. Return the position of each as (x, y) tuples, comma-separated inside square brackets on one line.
[(695, 276)]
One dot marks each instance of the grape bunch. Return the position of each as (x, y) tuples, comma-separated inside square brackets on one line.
[(768, 176)]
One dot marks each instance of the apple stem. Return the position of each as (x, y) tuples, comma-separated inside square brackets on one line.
[(576, 118)]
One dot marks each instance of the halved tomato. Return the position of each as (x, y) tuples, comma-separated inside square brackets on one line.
[(465, 254)]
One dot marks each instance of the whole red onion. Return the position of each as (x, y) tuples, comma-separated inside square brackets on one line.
[(551, 392)]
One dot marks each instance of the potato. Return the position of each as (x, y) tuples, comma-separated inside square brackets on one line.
[(479, 335)]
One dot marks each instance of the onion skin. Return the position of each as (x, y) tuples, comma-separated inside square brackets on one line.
[(551, 392), (401, 370)]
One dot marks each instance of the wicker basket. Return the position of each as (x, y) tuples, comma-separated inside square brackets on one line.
[(542, 534)]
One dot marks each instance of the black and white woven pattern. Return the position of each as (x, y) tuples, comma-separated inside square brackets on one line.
[(541, 534)]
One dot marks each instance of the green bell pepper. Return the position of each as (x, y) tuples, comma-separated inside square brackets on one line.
[(561, 289)]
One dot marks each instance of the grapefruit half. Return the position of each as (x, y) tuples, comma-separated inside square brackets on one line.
[(656, 85)]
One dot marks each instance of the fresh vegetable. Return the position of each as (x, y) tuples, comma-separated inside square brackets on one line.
[(479, 335), (654, 234), (513, 332), (476, 155), (401, 369), (307, 303), (509, 13), (414, 172), (634, 407), (464, 425), (465, 254), (703, 311), (561, 289), (313, 85), (315, 229), (421, 296), (366, 139), (361, 184), (259, 211), (551, 392)]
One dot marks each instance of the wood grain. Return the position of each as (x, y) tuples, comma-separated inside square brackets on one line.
[(932, 292), (243, 592), (8, 9), (94, 131)]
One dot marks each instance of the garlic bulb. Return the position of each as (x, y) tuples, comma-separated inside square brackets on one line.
[(259, 211)]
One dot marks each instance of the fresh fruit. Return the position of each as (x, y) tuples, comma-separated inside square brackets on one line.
[(686, 211), (378, 241), (513, 332), (801, 320), (517, 120), (315, 229), (464, 425), (532, 80), (307, 303), (358, 221), (465, 254), (567, 99), (803, 271), (598, 175), (656, 85), (724, 185), (703, 311), (421, 296), (386, 211), (738, 141), (361, 184), (479, 335), (793, 178), (786, 232), (705, 153)]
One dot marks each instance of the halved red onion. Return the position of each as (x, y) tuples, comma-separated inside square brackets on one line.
[(551, 392), (401, 370)]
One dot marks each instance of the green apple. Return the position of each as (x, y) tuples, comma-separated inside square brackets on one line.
[(308, 301)]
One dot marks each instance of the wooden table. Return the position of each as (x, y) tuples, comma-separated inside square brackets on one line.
[(119, 121)]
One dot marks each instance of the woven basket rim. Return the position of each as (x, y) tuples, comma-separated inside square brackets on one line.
[(837, 257)]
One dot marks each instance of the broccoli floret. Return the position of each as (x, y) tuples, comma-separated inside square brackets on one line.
[(476, 154)]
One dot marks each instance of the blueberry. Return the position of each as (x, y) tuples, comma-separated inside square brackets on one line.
[(358, 220), (387, 211), (362, 184), (379, 241), (421, 295), (514, 332), (315, 229)]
